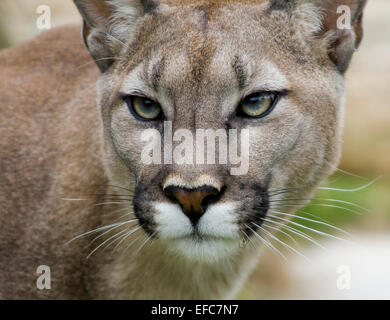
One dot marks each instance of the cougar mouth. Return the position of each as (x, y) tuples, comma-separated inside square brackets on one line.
[(197, 236), (204, 248)]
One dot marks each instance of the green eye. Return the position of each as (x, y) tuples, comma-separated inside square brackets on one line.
[(143, 108), (258, 105)]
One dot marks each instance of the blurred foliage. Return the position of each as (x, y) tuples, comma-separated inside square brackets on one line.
[(4, 42), (366, 208), (369, 210)]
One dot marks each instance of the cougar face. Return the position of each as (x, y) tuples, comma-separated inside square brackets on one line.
[(267, 71)]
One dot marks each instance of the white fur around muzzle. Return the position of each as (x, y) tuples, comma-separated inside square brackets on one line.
[(217, 227)]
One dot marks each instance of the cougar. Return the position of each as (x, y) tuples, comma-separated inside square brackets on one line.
[(83, 195)]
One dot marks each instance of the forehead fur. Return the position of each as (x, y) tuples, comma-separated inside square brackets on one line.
[(199, 29)]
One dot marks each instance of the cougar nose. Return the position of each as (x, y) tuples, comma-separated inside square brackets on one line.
[(193, 202)]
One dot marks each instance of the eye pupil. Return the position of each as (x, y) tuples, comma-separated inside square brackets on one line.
[(148, 102), (255, 99)]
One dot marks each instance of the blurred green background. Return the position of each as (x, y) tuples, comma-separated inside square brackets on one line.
[(366, 150)]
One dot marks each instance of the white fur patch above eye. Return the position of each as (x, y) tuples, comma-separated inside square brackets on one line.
[(269, 77), (133, 82)]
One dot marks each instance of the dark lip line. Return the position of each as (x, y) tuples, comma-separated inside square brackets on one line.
[(196, 236), (200, 238)]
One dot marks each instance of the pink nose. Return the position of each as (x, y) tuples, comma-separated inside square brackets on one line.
[(193, 202)]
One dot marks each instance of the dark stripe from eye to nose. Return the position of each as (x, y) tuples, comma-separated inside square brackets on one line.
[(154, 75), (241, 72)]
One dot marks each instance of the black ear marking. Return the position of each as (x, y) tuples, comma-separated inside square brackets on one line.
[(149, 5), (281, 5)]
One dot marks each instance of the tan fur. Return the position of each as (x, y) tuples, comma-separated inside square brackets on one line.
[(56, 143)]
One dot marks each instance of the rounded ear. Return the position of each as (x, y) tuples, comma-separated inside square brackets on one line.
[(106, 23), (342, 20), (337, 23)]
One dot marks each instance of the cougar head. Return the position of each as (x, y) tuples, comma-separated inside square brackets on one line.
[(264, 79)]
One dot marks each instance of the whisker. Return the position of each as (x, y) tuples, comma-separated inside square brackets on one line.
[(70, 199), (100, 245), (249, 239), (118, 239), (345, 172), (312, 220), (281, 242), (113, 186), (144, 243), (283, 232), (106, 203), (125, 215), (320, 219), (268, 244), (323, 199), (118, 235), (281, 191), (93, 231), (321, 205), (311, 229), (117, 199), (354, 189), (298, 233), (127, 235), (114, 195), (131, 243), (120, 210), (113, 228), (284, 225), (122, 236)]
